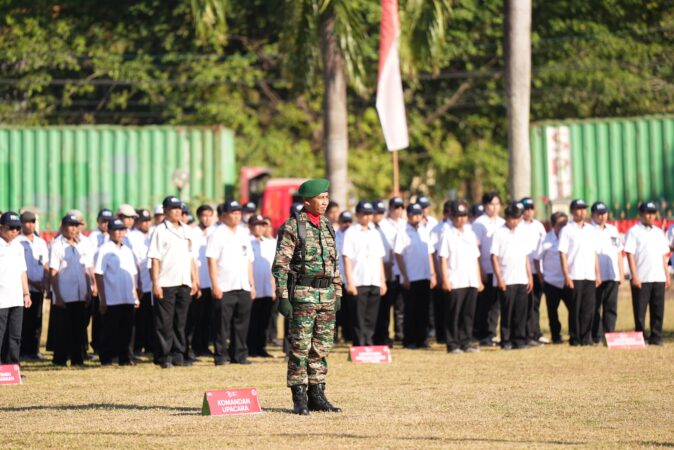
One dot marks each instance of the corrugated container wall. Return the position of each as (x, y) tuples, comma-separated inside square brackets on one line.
[(619, 161), (55, 169)]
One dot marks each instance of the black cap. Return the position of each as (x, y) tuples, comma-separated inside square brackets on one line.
[(250, 207), (257, 219), (295, 208), (345, 216), (172, 202), (231, 206), (184, 207), (648, 207), (514, 210), (414, 209), (477, 210), (104, 214), (143, 215), (396, 202), (379, 206), (458, 208), (116, 224), (70, 219), (190, 219), (578, 204), (599, 208), (424, 202), (364, 207), (527, 203), (10, 219), (28, 216)]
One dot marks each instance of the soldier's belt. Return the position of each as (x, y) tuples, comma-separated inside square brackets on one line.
[(314, 282)]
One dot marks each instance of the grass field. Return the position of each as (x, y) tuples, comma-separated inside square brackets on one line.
[(544, 397)]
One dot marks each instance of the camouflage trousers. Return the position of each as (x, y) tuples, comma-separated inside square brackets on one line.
[(311, 336)]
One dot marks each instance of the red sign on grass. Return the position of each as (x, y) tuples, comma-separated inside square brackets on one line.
[(10, 374), (376, 354), (231, 402), (625, 341)]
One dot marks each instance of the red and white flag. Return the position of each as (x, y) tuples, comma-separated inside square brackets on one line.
[(390, 103)]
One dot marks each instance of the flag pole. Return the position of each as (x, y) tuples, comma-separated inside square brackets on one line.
[(396, 174)]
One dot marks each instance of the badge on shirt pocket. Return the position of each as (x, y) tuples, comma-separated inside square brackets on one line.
[(615, 241)]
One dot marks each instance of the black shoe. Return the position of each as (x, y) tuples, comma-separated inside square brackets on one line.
[(410, 346), (318, 401), (244, 362), (223, 362), (506, 346), (265, 354), (300, 400), (106, 363), (129, 362), (557, 341), (657, 343), (487, 343), (184, 363), (166, 365), (521, 346), (533, 343)]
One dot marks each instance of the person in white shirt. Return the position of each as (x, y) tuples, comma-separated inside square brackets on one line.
[(37, 269), (611, 271), (580, 265), (343, 317), (71, 271), (99, 236), (174, 281), (647, 253), (670, 239), (414, 255), (157, 217), (487, 309), (549, 272), (96, 239), (139, 237), (362, 254), (534, 233), (14, 295), (116, 271), (230, 266), (512, 277), (388, 228), (428, 221), (461, 279), (264, 250), (438, 295)]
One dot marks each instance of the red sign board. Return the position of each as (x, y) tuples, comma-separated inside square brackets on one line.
[(625, 341), (376, 354), (10, 374), (231, 402)]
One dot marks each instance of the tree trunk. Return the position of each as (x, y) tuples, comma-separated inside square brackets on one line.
[(335, 119), (518, 89)]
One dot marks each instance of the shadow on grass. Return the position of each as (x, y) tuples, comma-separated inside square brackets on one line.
[(96, 406)]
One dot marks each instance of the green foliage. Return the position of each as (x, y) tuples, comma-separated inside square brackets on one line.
[(255, 67)]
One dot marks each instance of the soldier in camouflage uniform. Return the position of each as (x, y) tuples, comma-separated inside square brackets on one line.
[(309, 289)]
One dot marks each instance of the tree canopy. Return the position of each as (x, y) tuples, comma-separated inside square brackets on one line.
[(149, 61)]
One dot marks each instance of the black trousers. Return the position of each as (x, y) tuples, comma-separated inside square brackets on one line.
[(416, 299), (438, 317), (272, 329), (605, 310), (260, 313), (232, 316), (55, 327), (117, 333), (388, 301), (514, 302), (582, 312), (553, 296), (487, 311), (143, 333), (203, 334), (534, 311), (11, 321), (364, 309), (70, 340), (650, 295), (31, 331), (170, 314), (459, 310), (343, 317), (97, 326), (194, 321)]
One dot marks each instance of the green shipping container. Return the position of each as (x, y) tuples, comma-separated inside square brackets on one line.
[(55, 169), (619, 161)]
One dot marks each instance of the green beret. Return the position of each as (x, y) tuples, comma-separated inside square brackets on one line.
[(312, 188)]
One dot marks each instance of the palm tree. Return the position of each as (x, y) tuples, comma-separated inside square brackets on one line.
[(518, 90)]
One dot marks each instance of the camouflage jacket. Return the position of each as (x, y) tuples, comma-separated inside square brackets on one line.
[(321, 260)]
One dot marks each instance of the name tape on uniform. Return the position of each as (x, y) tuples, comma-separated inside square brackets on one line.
[(230, 402), (10, 374), (376, 354), (625, 341)]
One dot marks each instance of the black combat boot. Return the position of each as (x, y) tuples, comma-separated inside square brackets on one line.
[(317, 400), (300, 400)]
